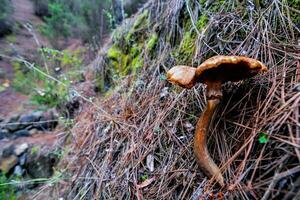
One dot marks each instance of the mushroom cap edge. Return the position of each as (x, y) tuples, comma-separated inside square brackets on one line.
[(183, 76)]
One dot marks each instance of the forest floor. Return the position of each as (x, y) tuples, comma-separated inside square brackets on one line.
[(21, 43)]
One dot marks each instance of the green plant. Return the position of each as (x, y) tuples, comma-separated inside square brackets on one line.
[(34, 150), (263, 138), (144, 177), (60, 22), (7, 189), (48, 88)]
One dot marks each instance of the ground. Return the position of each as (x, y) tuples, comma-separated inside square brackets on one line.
[(22, 43)]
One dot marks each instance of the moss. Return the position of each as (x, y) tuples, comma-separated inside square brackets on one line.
[(123, 63), (202, 2), (137, 63), (187, 48), (202, 22), (152, 41), (114, 52), (140, 20), (140, 24), (135, 50)]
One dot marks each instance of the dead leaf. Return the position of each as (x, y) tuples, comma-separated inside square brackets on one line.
[(146, 182), (6, 83)]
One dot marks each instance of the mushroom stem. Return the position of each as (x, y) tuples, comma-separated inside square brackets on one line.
[(200, 142)]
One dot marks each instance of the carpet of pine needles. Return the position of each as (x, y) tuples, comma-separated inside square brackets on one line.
[(137, 142)]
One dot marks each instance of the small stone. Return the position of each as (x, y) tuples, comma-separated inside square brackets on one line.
[(21, 149), (38, 115), (21, 133), (27, 120), (22, 159), (57, 69), (3, 134), (33, 131), (164, 92), (297, 88), (18, 171), (8, 151), (48, 121), (8, 163), (13, 124)]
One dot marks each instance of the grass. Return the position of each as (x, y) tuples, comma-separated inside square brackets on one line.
[(7, 191)]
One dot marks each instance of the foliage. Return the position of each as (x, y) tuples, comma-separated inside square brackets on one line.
[(5, 9), (263, 138), (65, 69), (152, 42), (81, 19), (7, 190), (60, 22)]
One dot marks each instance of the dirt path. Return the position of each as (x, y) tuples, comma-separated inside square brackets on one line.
[(20, 43)]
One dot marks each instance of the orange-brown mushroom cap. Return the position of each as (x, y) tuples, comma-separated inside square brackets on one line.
[(183, 76), (228, 68)]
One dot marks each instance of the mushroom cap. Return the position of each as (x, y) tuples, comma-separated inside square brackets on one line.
[(228, 68), (183, 76)]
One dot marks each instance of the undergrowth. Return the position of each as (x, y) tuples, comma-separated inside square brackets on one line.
[(49, 86), (7, 191), (137, 142)]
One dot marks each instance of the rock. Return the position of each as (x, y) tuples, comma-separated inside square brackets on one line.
[(18, 171), (34, 131), (8, 151), (8, 163), (13, 124), (21, 149), (48, 121), (22, 159), (40, 166), (297, 88), (4, 134), (27, 121), (21, 133)]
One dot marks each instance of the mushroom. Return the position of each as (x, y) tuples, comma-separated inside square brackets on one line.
[(213, 72)]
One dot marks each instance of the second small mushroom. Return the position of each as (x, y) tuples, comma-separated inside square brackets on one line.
[(213, 72)]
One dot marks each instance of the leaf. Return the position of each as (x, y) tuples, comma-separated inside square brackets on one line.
[(263, 138), (144, 177), (146, 182)]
